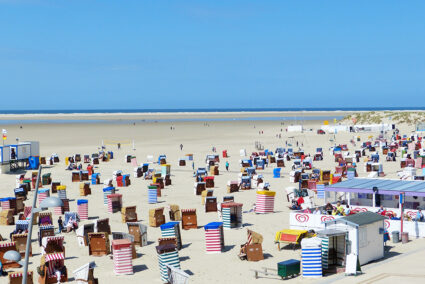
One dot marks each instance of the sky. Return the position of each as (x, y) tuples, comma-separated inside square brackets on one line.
[(100, 54)]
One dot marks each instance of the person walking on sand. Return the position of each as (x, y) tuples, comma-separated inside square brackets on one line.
[(119, 146), (227, 165), (181, 147)]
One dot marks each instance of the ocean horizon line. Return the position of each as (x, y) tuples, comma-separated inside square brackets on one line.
[(208, 110)]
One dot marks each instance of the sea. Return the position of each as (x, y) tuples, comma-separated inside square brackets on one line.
[(339, 114)]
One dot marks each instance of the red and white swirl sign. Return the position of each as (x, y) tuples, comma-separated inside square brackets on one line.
[(387, 224), (326, 218), (302, 218), (411, 214), (360, 209)]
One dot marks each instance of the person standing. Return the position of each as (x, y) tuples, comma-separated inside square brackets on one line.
[(227, 165), (181, 147), (60, 224), (119, 146)]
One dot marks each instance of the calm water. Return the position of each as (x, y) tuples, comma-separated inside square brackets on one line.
[(130, 121)]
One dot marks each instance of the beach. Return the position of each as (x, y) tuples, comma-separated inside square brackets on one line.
[(155, 137)]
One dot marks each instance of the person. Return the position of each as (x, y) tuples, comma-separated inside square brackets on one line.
[(227, 165), (119, 146), (70, 225), (419, 216), (17, 231), (335, 212), (339, 208), (347, 210), (181, 147), (329, 208), (13, 154), (60, 224), (58, 272), (317, 211), (193, 165), (295, 205), (381, 209)]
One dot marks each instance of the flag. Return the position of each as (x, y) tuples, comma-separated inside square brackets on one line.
[(4, 131)]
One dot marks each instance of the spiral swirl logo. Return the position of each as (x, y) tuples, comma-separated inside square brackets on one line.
[(326, 218), (302, 218)]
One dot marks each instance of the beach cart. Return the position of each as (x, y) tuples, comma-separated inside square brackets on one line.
[(20, 241), (172, 230), (264, 202), (5, 247), (167, 254), (122, 256), (52, 244), (85, 274), (189, 219), (231, 215), (98, 244), (139, 232), (214, 237), (16, 277), (51, 261), (114, 203), (285, 269), (290, 237), (128, 214)]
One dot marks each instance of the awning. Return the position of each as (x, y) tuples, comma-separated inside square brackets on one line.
[(54, 256)]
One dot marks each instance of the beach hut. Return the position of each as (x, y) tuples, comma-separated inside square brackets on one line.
[(5, 247), (152, 194), (156, 217), (98, 244), (311, 257), (214, 237), (139, 232), (16, 277), (172, 230), (52, 261), (167, 254), (114, 202), (20, 241), (211, 204), (232, 215), (83, 209), (122, 256), (128, 214), (85, 274), (189, 219), (265, 202)]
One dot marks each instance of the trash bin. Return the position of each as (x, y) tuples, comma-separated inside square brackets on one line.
[(404, 237), (396, 236)]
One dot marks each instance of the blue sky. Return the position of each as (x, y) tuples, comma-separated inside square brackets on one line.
[(206, 54)]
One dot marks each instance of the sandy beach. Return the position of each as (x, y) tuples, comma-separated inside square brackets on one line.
[(198, 138)]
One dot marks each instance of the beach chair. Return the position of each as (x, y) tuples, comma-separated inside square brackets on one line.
[(45, 218), (128, 214), (252, 250), (102, 225), (139, 232), (124, 236), (98, 244), (211, 204), (82, 233), (156, 217), (52, 244), (5, 247), (85, 274), (48, 269), (189, 219), (175, 213), (20, 241), (45, 231), (16, 277), (289, 236)]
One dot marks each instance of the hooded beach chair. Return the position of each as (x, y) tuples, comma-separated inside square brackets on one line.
[(252, 250), (49, 275), (85, 274)]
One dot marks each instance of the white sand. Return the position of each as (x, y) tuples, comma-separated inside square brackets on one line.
[(157, 138)]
